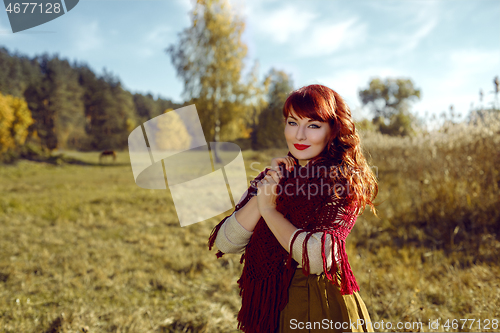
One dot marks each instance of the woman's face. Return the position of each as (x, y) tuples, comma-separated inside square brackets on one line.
[(306, 138)]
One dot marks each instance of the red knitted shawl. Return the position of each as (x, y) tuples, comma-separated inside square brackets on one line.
[(308, 202)]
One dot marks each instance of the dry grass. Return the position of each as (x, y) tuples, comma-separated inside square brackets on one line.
[(83, 249)]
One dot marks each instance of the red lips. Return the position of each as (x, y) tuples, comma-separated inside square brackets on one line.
[(301, 147)]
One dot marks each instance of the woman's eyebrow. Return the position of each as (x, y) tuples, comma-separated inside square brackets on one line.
[(307, 121)]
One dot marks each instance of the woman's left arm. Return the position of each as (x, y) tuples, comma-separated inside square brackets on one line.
[(283, 230), (279, 226)]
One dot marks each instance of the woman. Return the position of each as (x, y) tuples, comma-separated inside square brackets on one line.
[(296, 276)]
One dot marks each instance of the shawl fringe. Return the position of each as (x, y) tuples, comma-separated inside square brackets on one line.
[(258, 314), (348, 283), (213, 236)]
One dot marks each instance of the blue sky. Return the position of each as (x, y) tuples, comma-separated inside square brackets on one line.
[(450, 49)]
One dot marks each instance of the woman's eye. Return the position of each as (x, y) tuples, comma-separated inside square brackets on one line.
[(293, 123)]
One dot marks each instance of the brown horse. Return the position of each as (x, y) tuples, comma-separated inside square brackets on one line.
[(107, 153)]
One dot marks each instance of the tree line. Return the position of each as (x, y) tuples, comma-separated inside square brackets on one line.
[(54, 104), (50, 103)]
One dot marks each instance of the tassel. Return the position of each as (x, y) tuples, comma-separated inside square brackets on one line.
[(290, 253), (305, 256), (323, 256), (349, 284), (260, 310), (213, 234)]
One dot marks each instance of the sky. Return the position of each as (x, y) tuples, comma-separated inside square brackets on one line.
[(450, 49)]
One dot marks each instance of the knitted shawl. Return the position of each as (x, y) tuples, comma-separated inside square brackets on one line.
[(307, 200)]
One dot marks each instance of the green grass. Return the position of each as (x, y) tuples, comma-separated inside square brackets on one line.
[(85, 249)]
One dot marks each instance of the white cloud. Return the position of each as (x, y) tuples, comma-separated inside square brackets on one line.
[(471, 61), (415, 21), (282, 25), (159, 34), (324, 39), (349, 81), (185, 5), (88, 37), (154, 41), (411, 41), (466, 69), (305, 32)]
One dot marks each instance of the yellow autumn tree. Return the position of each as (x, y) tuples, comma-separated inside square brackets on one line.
[(15, 118), (209, 58), (172, 133)]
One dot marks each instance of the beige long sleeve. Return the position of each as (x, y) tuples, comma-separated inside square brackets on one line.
[(313, 251), (232, 238)]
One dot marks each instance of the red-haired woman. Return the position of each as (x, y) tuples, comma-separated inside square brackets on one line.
[(293, 221)]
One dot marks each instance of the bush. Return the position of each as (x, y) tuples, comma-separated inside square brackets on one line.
[(438, 189)]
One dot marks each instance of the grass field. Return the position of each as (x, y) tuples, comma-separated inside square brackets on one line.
[(84, 249)]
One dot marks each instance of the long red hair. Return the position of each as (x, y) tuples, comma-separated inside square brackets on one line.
[(349, 166)]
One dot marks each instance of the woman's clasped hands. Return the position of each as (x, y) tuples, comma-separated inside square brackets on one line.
[(267, 187)]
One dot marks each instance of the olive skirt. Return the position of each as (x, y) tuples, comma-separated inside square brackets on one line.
[(316, 305)]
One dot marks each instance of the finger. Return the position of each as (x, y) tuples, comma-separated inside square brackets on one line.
[(275, 174), (289, 163), (280, 160), (275, 166), (275, 163), (269, 179)]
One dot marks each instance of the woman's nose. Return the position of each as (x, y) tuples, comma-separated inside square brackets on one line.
[(301, 133)]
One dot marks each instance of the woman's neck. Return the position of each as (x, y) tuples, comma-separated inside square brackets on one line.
[(303, 162)]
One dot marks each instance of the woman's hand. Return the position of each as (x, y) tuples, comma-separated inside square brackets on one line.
[(268, 186), (267, 189), (287, 160)]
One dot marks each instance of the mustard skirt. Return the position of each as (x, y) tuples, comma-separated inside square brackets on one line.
[(316, 305)]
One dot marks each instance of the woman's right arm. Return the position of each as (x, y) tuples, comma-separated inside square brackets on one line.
[(236, 231), (249, 215), (233, 236)]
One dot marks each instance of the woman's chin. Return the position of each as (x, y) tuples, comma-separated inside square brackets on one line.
[(302, 154)]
